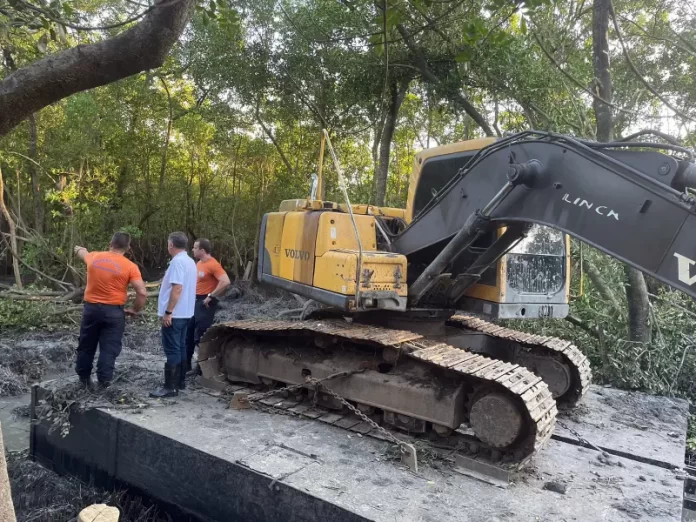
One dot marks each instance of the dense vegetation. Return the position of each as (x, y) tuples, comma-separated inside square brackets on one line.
[(230, 124)]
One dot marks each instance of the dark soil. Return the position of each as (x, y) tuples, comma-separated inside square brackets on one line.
[(33, 356), (39, 495)]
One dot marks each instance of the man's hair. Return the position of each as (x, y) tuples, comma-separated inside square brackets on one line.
[(121, 240), (204, 244), (178, 240)]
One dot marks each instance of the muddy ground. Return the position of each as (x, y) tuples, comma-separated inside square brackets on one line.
[(27, 357)]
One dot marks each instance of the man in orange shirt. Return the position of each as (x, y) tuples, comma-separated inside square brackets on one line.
[(211, 283), (103, 319)]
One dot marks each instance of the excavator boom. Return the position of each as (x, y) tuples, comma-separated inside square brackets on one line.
[(632, 204)]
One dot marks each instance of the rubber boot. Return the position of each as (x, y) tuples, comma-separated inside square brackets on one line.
[(194, 369), (181, 376), (103, 385), (86, 383), (170, 378)]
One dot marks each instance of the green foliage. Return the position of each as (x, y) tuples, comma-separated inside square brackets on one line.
[(691, 435), (230, 126), (30, 315)]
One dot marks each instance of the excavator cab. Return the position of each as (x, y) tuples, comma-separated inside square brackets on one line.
[(530, 281)]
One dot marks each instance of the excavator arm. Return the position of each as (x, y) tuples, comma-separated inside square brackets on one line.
[(626, 200)]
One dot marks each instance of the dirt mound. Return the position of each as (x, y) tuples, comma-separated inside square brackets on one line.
[(245, 301), (31, 357)]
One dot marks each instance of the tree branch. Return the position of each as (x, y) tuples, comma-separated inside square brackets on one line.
[(657, 38), (46, 14), (165, 149), (579, 84), (576, 321), (144, 46), (430, 77), (602, 287), (633, 68), (272, 138)]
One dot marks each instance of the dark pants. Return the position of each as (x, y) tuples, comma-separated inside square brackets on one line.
[(202, 319), (174, 341), (102, 325)]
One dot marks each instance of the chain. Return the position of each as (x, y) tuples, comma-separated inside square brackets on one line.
[(308, 380), (580, 438), (319, 383), (362, 416)]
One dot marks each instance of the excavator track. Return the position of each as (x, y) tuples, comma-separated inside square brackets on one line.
[(510, 410), (541, 348)]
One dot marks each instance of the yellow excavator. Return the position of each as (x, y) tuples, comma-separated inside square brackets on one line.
[(400, 299)]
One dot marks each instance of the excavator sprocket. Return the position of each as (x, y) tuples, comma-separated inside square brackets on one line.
[(406, 381), (562, 365)]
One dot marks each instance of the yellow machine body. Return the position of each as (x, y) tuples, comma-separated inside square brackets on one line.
[(310, 248), (313, 249)]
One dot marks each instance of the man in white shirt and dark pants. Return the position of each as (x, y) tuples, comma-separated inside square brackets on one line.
[(175, 306)]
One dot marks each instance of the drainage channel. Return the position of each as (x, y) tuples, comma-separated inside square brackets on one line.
[(15, 422)]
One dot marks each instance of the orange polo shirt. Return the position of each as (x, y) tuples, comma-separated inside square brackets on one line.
[(209, 273), (108, 275)]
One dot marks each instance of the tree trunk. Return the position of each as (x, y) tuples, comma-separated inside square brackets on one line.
[(144, 46), (397, 93), (13, 233), (165, 149), (35, 181), (270, 135), (603, 86), (375, 149), (602, 287), (638, 306), (636, 290)]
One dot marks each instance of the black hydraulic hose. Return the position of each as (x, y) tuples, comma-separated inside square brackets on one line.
[(637, 144)]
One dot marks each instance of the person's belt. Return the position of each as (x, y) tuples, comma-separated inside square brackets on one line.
[(104, 304), (213, 299)]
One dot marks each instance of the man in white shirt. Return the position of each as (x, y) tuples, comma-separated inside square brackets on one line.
[(175, 306)]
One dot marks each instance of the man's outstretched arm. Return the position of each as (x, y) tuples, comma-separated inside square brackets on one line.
[(81, 252)]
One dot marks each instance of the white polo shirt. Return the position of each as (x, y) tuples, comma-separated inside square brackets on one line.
[(181, 271)]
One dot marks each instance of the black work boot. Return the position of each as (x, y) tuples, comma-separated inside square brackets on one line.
[(103, 385), (86, 383), (170, 378), (181, 377)]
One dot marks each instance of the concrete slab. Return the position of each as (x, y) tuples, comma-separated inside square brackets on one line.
[(651, 429), (228, 465)]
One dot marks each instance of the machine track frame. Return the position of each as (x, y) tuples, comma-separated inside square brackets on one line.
[(499, 382), (542, 346)]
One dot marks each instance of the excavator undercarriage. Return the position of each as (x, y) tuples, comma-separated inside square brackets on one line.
[(411, 383), (403, 295)]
